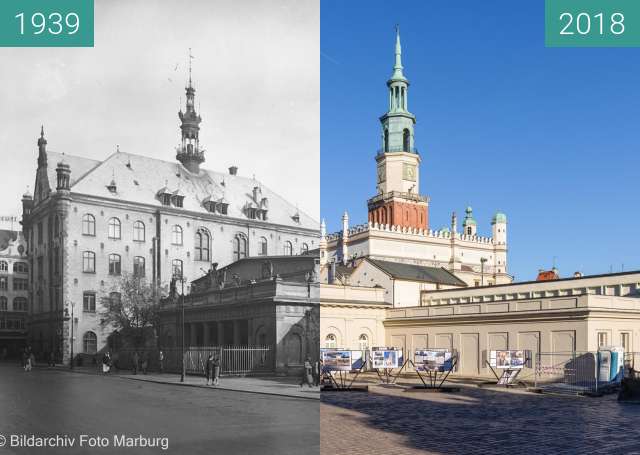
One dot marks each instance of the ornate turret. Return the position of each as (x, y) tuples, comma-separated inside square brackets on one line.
[(63, 174), (42, 149), (469, 225), (189, 152)]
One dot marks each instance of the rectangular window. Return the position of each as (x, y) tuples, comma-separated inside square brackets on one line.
[(114, 264), (602, 339), (89, 302), (40, 236), (176, 268), (20, 284), (625, 341), (89, 262), (138, 266)]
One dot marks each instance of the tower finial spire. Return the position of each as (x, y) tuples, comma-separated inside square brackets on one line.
[(190, 59), (397, 68)]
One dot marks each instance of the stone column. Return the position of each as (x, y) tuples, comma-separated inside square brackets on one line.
[(236, 332), (193, 335), (205, 335), (220, 333)]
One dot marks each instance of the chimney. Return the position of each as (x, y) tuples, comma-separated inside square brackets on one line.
[(233, 170)]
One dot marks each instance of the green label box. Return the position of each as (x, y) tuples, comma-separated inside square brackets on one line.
[(592, 23), (46, 23)]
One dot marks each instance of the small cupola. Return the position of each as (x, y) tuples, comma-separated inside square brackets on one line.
[(469, 224), (63, 176), (27, 203)]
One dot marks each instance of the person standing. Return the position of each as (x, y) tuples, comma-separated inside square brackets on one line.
[(208, 369), (307, 374), (161, 361), (106, 363), (136, 360), (145, 362), (31, 361), (216, 371)]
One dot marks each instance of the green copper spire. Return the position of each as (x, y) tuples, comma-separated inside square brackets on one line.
[(397, 68)]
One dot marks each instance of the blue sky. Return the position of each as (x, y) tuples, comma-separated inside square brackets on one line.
[(549, 136)]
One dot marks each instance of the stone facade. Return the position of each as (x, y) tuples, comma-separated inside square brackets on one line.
[(91, 221), (267, 302), (14, 294)]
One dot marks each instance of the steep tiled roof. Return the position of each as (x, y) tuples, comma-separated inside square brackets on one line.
[(138, 179), (414, 272)]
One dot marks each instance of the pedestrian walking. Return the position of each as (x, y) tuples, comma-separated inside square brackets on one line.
[(216, 371), (106, 363), (31, 361), (145, 362), (52, 359), (25, 355), (136, 360), (307, 376), (316, 373), (208, 369), (161, 360)]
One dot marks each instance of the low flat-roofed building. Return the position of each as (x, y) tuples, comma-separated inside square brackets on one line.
[(573, 314)]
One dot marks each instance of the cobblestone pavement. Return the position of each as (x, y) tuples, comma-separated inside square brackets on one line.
[(475, 421)]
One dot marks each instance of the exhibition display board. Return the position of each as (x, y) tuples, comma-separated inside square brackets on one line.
[(337, 364), (439, 360), (511, 362)]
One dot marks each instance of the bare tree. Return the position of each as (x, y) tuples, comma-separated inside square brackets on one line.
[(131, 308)]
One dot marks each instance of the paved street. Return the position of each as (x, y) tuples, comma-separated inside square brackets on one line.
[(475, 421), (195, 420)]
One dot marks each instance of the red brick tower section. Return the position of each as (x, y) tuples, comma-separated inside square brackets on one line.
[(400, 209)]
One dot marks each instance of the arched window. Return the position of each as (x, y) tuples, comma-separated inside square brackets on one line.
[(469, 230), (138, 266), (88, 224), (406, 140), (176, 235), (3, 303), (138, 231), (263, 246), (4, 266), (330, 342), (19, 304), (114, 264), (288, 248), (20, 267), (114, 228), (202, 245), (56, 226), (89, 262), (304, 249), (239, 247), (363, 342), (90, 343), (386, 141), (176, 267)]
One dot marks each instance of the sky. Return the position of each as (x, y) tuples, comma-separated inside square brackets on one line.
[(547, 135), (257, 77)]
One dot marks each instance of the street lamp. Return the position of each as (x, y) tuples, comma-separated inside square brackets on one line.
[(180, 278), (73, 339), (482, 261)]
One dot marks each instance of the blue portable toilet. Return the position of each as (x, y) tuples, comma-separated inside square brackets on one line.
[(610, 364)]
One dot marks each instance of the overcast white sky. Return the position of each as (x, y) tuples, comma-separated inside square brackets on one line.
[(257, 77)]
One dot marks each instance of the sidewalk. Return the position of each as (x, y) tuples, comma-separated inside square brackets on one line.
[(268, 385)]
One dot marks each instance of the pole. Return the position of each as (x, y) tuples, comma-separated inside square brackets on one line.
[(72, 336), (182, 319)]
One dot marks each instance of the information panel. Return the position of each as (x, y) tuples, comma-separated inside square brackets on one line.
[(385, 358), (512, 360), (433, 360)]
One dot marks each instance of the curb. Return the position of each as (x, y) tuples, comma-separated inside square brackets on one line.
[(157, 381), (185, 384)]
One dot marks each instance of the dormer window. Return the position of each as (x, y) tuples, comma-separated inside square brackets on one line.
[(178, 201), (164, 195), (220, 206)]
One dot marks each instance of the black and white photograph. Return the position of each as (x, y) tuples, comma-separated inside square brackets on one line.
[(160, 233)]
